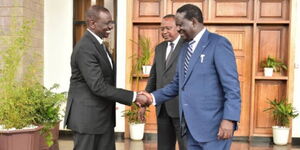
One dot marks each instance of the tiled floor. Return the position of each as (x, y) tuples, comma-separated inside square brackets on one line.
[(67, 144)]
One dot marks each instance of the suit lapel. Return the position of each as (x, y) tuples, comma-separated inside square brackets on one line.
[(196, 55), (175, 53), (99, 48), (162, 54)]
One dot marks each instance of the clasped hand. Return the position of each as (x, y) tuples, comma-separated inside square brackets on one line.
[(143, 99)]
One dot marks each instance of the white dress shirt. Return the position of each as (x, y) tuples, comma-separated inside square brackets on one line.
[(101, 42), (169, 46), (110, 61), (197, 38)]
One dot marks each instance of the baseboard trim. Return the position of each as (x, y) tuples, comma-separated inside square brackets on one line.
[(153, 137), (296, 141)]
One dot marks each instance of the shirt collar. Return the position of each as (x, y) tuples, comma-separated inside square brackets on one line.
[(198, 37), (97, 37), (175, 41)]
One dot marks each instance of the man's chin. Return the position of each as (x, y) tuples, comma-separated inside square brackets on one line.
[(106, 36), (183, 37)]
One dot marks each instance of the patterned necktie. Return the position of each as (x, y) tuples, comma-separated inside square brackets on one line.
[(170, 53), (188, 56)]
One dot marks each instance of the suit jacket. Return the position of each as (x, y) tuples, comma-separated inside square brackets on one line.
[(210, 92), (161, 75), (92, 94)]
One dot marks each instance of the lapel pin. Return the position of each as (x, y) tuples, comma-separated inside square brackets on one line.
[(202, 58)]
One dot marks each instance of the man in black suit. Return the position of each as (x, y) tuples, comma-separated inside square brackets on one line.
[(90, 111), (162, 72)]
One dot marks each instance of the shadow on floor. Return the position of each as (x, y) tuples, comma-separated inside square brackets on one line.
[(66, 143)]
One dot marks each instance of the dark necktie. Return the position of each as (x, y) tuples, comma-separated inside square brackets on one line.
[(170, 54), (188, 56), (108, 56)]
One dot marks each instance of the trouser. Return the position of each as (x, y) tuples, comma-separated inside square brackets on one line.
[(105, 141)]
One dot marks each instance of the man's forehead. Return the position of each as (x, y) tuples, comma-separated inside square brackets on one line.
[(180, 15), (103, 14), (167, 20)]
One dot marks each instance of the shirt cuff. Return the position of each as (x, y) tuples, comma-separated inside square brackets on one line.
[(153, 98), (134, 96)]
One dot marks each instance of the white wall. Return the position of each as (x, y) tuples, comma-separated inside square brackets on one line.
[(296, 102), (121, 59), (58, 45), (58, 42)]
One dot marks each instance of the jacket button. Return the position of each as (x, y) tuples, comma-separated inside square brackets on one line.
[(182, 89)]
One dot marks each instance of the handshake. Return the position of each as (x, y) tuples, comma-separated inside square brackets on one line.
[(143, 99)]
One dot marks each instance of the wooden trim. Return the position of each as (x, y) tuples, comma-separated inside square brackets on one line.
[(254, 48), (271, 78), (246, 22), (279, 22), (291, 56), (128, 54)]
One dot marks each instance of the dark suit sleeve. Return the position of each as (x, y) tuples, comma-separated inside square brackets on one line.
[(93, 75), (151, 84), (226, 68)]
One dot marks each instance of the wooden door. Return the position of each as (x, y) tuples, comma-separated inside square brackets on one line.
[(152, 32), (256, 29), (241, 39)]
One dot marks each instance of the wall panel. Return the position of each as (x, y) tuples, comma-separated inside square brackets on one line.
[(232, 9), (265, 91), (273, 9)]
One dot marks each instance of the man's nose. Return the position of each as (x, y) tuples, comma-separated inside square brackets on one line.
[(164, 31), (110, 26)]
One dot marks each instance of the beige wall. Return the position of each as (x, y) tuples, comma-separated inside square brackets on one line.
[(24, 10)]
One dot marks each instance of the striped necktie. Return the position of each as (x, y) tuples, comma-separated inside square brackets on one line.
[(188, 56)]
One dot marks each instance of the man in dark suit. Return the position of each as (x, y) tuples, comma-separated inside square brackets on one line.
[(162, 72), (207, 83), (90, 111)]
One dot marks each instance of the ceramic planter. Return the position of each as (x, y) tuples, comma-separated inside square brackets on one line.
[(268, 72), (137, 131), (55, 133), (280, 135), (27, 139), (146, 69)]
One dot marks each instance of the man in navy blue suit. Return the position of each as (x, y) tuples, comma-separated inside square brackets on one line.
[(206, 82)]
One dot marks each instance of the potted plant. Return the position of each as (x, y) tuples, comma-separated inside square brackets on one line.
[(47, 113), (143, 59), (26, 106), (271, 64), (136, 122), (282, 113)]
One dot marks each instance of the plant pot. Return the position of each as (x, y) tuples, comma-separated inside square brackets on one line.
[(268, 72), (137, 131), (146, 69), (55, 133), (27, 139), (280, 135)]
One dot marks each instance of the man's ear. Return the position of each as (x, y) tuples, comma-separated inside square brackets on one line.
[(91, 24), (194, 21)]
